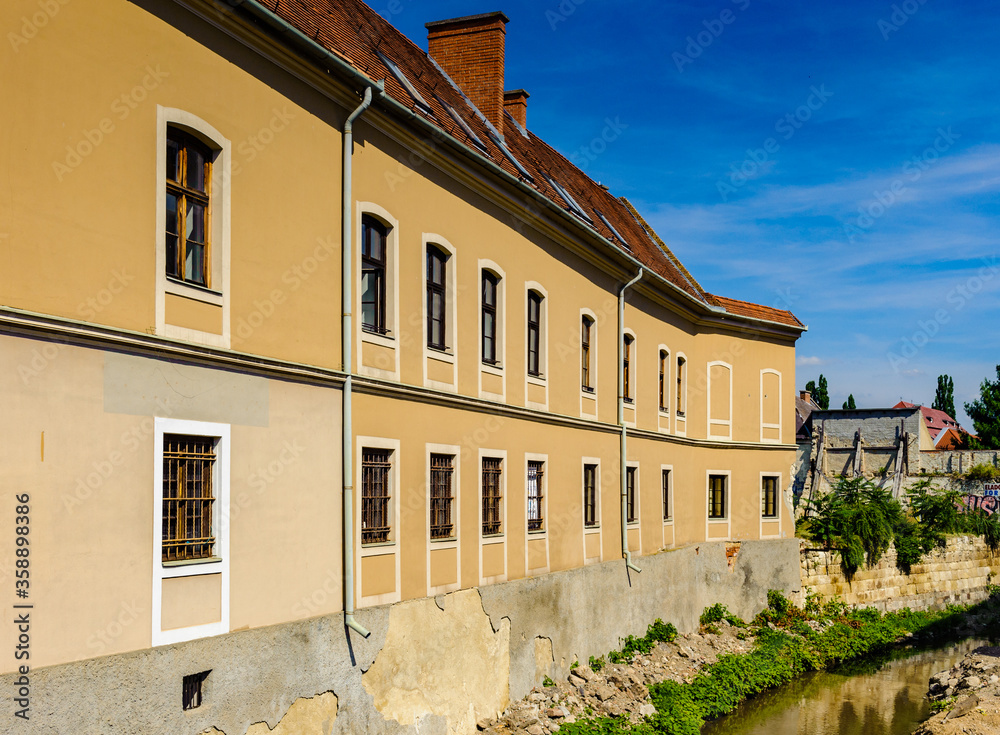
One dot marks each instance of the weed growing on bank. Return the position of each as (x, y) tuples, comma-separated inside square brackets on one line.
[(790, 641)]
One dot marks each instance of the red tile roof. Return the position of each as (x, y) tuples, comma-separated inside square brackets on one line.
[(935, 420), (356, 33)]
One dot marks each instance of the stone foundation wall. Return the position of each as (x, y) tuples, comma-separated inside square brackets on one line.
[(959, 573), (432, 666)]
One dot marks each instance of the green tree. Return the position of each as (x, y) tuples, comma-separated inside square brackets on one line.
[(820, 392), (985, 412), (944, 396), (849, 403)]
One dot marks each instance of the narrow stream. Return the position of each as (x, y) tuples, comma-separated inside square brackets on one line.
[(867, 699)]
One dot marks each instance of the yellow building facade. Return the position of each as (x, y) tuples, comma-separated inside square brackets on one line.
[(173, 344)]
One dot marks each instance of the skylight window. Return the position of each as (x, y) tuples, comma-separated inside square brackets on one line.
[(516, 124), (612, 228), (460, 121), (573, 204), (402, 79), (510, 156)]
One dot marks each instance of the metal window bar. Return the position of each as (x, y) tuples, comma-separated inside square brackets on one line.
[(536, 520), (717, 496), (630, 495), (191, 690), (769, 498), (666, 495), (492, 475), (442, 469), (590, 495), (376, 465), (188, 500)]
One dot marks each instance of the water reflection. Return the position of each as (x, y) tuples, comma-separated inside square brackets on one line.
[(873, 698)]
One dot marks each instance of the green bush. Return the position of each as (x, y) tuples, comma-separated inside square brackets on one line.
[(657, 632), (717, 612), (983, 473)]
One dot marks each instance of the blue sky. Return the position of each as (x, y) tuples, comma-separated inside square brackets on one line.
[(838, 159)]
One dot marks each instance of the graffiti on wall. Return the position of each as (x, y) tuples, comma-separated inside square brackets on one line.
[(988, 504)]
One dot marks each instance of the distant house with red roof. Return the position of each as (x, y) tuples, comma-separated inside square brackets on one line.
[(946, 433)]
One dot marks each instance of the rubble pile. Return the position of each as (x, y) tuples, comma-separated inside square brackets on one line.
[(970, 693), (617, 689)]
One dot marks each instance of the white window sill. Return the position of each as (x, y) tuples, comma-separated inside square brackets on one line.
[(190, 291), (493, 369), (191, 562), (538, 380), (378, 339)]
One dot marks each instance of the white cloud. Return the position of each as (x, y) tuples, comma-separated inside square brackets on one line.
[(803, 360)]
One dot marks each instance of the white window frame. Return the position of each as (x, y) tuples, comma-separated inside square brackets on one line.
[(542, 535), (450, 354), (633, 382), (778, 502), (501, 340), (765, 426), (728, 520), (668, 388), (219, 564), (543, 346), (681, 410), (456, 514), (393, 340), (591, 530), (594, 340), (392, 546), (219, 292), (499, 538), (727, 423)]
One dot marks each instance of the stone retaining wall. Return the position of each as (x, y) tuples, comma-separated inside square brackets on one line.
[(959, 573)]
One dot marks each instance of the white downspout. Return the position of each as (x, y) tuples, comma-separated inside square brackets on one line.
[(347, 340), (621, 421)]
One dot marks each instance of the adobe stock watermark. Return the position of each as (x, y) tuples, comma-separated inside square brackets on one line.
[(901, 13), (714, 28), (121, 108), (102, 640), (956, 299), (589, 153), (31, 25), (912, 170), (562, 12), (785, 126)]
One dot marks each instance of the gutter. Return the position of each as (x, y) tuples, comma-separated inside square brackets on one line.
[(340, 66), (623, 479), (347, 337)]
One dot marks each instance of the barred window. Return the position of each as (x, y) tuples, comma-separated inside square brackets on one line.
[(536, 518), (716, 496), (630, 505), (590, 495), (665, 492), (769, 497), (442, 470), (376, 465), (188, 498), (492, 498)]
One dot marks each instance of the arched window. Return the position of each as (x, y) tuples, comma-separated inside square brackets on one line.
[(664, 356), (627, 360), (189, 177), (437, 261), (681, 377), (373, 277), (491, 284), (586, 331), (534, 333)]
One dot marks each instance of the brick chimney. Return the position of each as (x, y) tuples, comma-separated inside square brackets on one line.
[(516, 103), (805, 396), (471, 51)]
